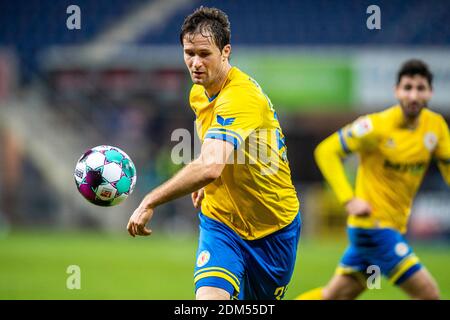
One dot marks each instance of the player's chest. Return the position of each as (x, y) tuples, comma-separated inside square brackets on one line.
[(408, 146)]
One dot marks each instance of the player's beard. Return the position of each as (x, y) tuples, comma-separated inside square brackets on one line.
[(412, 110)]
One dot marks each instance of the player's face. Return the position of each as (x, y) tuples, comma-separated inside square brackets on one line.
[(413, 93), (205, 61)]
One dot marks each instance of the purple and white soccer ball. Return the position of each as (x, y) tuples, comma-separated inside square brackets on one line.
[(105, 175)]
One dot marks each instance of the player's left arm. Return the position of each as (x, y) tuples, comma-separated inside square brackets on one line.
[(194, 176), (442, 152), (359, 136)]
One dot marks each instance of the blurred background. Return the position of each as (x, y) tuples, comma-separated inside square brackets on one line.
[(120, 80)]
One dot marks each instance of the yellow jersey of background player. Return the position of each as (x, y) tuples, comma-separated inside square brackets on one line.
[(393, 160), (395, 147)]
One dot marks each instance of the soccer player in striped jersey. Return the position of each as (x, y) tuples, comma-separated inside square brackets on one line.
[(249, 220), (395, 148)]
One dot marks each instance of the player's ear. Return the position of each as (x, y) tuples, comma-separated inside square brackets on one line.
[(226, 51)]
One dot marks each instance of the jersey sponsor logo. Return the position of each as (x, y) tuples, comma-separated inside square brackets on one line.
[(361, 127), (430, 141), (414, 168), (203, 258), (401, 249), (225, 121)]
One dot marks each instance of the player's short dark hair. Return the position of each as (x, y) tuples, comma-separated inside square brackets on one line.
[(208, 22), (415, 67)]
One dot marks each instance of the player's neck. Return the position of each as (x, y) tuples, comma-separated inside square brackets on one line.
[(411, 123), (215, 88)]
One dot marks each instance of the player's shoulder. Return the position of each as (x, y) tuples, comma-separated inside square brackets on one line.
[(196, 91), (242, 89), (386, 119), (434, 122), (375, 123), (241, 83), (237, 76), (364, 125), (433, 116), (387, 116)]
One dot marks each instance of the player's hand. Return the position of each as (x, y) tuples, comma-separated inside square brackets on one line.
[(358, 207), (138, 220), (197, 198)]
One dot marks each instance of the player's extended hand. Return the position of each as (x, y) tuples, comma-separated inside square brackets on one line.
[(197, 198), (138, 220), (358, 207)]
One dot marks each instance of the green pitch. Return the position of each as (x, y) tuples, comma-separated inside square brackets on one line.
[(34, 266)]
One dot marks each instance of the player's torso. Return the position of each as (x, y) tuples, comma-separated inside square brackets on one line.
[(252, 203), (406, 153), (390, 174)]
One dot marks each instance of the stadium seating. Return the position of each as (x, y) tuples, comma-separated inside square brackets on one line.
[(37, 24), (34, 25), (319, 22)]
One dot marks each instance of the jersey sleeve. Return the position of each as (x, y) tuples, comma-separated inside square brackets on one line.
[(354, 137), (442, 151), (359, 135), (328, 158), (235, 117)]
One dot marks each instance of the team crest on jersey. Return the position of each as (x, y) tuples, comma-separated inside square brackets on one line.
[(203, 258), (362, 126), (430, 141), (401, 249)]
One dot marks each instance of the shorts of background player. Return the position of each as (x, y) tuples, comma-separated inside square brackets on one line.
[(385, 248), (247, 269)]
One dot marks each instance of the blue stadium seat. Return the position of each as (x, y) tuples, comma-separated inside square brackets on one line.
[(321, 22), (30, 25)]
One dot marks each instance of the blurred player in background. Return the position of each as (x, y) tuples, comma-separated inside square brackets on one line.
[(249, 220), (395, 148)]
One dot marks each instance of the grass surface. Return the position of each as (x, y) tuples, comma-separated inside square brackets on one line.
[(33, 266)]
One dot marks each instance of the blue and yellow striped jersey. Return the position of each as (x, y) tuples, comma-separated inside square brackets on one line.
[(254, 195), (393, 161)]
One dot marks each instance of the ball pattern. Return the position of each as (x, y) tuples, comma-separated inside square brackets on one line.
[(105, 175)]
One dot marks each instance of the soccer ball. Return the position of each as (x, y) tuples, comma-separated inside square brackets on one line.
[(105, 175)]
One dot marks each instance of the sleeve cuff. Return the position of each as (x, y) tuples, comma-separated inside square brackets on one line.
[(345, 197), (343, 142), (225, 135)]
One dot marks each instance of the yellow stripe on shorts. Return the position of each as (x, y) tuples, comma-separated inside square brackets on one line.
[(359, 275), (219, 274), (402, 267)]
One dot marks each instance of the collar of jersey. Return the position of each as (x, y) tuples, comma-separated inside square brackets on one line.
[(401, 120), (213, 97), (224, 84)]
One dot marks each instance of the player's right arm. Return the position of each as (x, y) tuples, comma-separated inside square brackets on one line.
[(194, 176), (329, 155)]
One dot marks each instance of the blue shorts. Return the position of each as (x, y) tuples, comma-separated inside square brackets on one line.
[(247, 269), (383, 248)]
